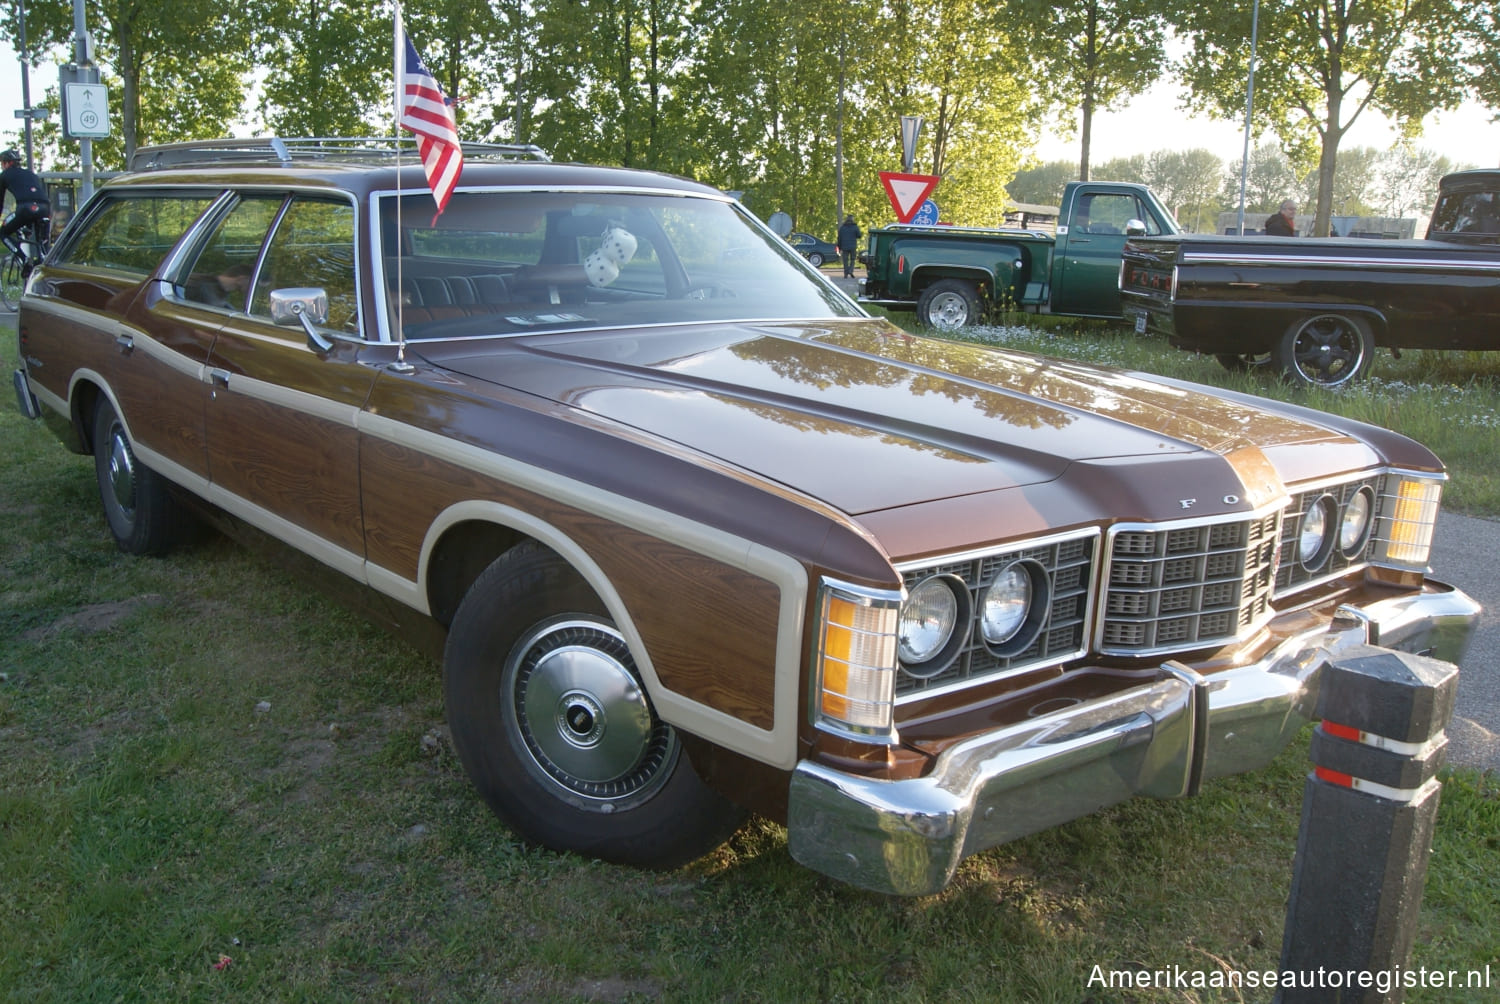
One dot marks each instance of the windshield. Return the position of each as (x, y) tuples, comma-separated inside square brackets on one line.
[(501, 262)]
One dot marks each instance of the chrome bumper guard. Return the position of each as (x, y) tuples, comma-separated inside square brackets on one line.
[(1161, 739)]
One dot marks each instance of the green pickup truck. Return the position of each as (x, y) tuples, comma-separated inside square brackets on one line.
[(954, 276)]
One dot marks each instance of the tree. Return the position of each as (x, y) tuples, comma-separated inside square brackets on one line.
[(1042, 185), (1189, 182), (1271, 179), (336, 52), (1322, 64), (1093, 53), (174, 83), (1408, 180)]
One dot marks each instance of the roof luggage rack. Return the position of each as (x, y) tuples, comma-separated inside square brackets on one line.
[(276, 150)]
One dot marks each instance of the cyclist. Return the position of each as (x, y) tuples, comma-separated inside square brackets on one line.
[(32, 205)]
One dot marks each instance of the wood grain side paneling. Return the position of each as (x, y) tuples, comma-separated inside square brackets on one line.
[(710, 628)]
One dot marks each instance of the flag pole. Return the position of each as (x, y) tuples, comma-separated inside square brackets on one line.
[(399, 292)]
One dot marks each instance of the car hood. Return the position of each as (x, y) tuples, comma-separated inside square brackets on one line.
[(866, 417)]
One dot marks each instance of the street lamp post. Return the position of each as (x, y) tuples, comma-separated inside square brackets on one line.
[(1249, 104)]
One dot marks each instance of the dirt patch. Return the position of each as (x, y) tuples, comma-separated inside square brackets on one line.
[(94, 618)]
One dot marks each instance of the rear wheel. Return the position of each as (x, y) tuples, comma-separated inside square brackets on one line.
[(1325, 350), (141, 513), (1239, 362), (555, 728), (815, 259), (12, 282), (948, 304)]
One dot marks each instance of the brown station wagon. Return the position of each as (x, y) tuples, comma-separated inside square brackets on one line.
[(698, 535)]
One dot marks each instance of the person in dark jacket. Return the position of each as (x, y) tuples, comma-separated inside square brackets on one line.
[(849, 235), (1284, 223), (32, 205)]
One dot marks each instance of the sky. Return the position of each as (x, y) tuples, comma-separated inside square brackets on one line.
[(1466, 136)]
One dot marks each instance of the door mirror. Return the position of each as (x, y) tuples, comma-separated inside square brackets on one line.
[(305, 306), (1135, 228)]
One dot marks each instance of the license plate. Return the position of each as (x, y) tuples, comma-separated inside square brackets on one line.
[(1140, 324)]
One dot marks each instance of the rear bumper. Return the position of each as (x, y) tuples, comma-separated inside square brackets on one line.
[(1161, 739)]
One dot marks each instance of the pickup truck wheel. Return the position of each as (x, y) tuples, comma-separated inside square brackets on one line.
[(1326, 350), (1239, 362), (948, 304), (555, 730), (139, 508)]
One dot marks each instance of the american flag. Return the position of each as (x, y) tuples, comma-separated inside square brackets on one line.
[(423, 111)]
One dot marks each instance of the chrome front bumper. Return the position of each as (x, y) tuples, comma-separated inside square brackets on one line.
[(1161, 739)]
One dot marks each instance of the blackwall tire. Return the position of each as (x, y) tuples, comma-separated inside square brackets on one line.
[(138, 507), (555, 730), (1325, 350), (815, 259), (948, 304)]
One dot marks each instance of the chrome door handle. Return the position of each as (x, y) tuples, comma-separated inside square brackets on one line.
[(125, 343)]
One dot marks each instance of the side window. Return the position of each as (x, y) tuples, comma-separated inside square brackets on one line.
[(1106, 213), (313, 246), (224, 268), (133, 231)]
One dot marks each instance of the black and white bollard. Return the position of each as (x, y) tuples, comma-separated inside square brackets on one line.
[(1367, 819)]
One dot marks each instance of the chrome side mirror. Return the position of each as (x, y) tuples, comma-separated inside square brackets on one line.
[(306, 306), (1135, 228)]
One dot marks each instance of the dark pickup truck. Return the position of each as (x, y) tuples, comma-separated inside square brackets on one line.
[(1317, 308), (956, 276)]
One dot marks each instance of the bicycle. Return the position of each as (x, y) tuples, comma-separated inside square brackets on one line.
[(23, 252)]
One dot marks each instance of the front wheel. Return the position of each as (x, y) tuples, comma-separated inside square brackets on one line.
[(555, 729), (1325, 350), (12, 282), (141, 513), (948, 305)]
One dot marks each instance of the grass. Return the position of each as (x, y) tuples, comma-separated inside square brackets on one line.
[(202, 760)]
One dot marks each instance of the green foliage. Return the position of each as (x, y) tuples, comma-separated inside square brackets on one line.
[(1095, 52), (1321, 65), (1043, 185)]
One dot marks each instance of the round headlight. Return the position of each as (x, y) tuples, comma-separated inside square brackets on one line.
[(1005, 604), (1316, 538), (928, 619), (1354, 528)]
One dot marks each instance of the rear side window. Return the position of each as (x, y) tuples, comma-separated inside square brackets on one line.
[(133, 231)]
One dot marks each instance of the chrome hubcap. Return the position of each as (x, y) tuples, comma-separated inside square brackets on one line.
[(121, 471), (949, 310), (583, 716)]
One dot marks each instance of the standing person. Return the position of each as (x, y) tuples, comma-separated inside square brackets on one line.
[(849, 235), (1284, 223), (32, 205)]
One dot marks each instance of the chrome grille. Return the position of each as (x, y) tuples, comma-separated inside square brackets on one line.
[(1187, 586), (1293, 575), (1069, 563)]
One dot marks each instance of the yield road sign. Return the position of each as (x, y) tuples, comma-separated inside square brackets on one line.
[(907, 192)]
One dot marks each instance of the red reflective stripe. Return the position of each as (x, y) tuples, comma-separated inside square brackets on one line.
[(901, 265), (1334, 777), (1342, 731)]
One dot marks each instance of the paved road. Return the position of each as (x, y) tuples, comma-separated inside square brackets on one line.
[(1466, 552)]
